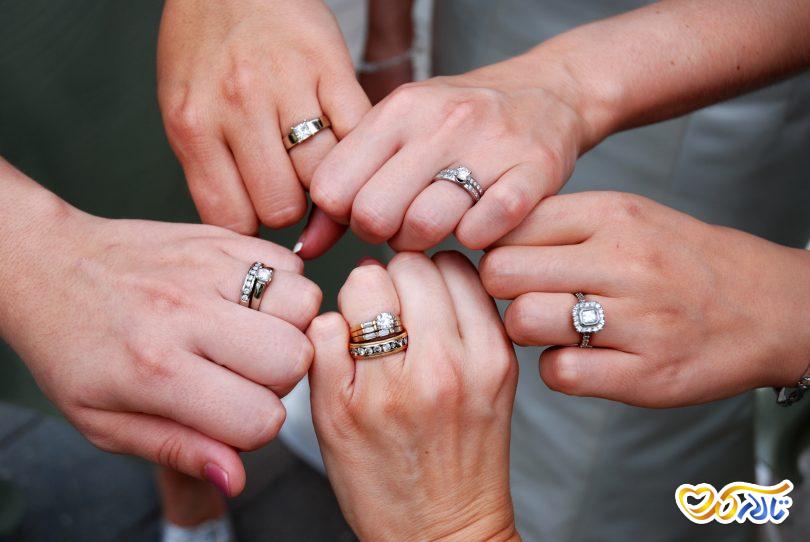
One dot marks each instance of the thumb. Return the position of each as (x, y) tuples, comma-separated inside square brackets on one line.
[(332, 371), (170, 444), (319, 235)]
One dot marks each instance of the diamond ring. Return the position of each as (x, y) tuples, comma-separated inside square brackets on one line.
[(256, 280), (304, 130), (462, 177), (376, 349), (589, 318), (383, 325)]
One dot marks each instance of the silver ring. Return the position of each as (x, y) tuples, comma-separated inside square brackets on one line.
[(305, 130), (264, 276), (461, 176), (589, 318), (256, 280)]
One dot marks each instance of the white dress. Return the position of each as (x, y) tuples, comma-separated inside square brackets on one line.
[(594, 470)]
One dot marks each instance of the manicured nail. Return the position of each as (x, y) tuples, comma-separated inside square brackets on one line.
[(217, 476), (298, 246)]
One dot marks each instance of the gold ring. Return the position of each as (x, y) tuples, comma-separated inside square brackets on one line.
[(376, 349)]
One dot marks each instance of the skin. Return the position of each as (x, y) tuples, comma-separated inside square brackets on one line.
[(683, 323), (520, 124), (401, 436), (142, 344), (233, 77)]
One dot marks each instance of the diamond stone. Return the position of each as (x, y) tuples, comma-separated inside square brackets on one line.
[(385, 320), (588, 317), (302, 131), (386, 347), (463, 173), (377, 349), (264, 274)]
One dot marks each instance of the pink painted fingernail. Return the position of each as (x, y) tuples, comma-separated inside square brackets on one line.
[(217, 476)]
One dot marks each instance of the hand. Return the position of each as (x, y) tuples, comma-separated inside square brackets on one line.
[(389, 36), (233, 77), (693, 312), (133, 329), (416, 445), (513, 124)]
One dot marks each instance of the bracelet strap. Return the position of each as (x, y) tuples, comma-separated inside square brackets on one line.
[(384, 64)]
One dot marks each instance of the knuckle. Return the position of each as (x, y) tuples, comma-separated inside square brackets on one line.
[(239, 86), (477, 106), (325, 197), (370, 219), (626, 206), (186, 121), (510, 203), (367, 277), (520, 320), (404, 97), (427, 224), (310, 301), (324, 326), (279, 213), (407, 260), (268, 425), (170, 452), (150, 362)]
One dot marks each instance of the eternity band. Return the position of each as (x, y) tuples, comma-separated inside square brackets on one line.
[(305, 130), (462, 177), (397, 343), (256, 281), (588, 317)]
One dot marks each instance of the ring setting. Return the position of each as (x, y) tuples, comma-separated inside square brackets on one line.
[(462, 176), (305, 130), (588, 317)]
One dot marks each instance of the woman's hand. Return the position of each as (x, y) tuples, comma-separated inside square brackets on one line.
[(416, 444), (233, 77), (134, 330), (515, 125), (693, 312)]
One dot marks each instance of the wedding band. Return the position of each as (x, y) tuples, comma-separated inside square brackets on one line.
[(383, 325), (376, 349), (589, 318), (462, 177), (256, 280), (304, 130), (264, 276)]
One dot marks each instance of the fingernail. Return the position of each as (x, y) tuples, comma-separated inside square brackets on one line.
[(367, 261), (217, 476), (298, 246)]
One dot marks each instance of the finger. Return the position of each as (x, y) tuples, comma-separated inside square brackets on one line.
[(263, 349), (295, 108), (427, 308), (342, 99), (480, 328), (510, 271), (598, 372), (216, 186), (319, 235), (332, 371), (560, 220), (288, 296), (543, 319), (367, 292), (360, 153), (170, 444), (195, 392), (250, 249), (431, 217), (268, 174), (503, 206)]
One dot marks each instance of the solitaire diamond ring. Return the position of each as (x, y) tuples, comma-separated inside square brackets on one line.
[(305, 130), (383, 325), (379, 337), (589, 318), (462, 177)]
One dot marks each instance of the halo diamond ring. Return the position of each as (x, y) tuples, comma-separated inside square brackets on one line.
[(588, 317)]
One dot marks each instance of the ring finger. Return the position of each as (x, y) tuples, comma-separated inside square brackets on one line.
[(308, 154), (545, 319)]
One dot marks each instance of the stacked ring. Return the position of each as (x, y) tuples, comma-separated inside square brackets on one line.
[(379, 337), (254, 285), (462, 177)]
